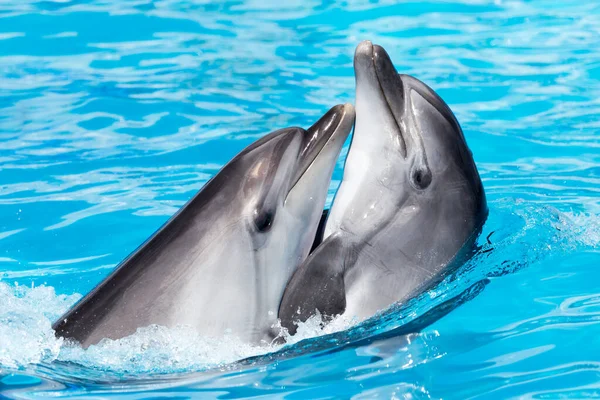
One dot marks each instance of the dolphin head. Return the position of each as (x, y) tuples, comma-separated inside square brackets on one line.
[(407, 147), (281, 187), (286, 185)]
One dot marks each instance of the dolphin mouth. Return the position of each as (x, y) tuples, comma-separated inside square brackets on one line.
[(335, 123), (396, 87), (374, 64)]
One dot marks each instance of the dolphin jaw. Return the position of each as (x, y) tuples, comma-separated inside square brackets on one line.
[(337, 122)]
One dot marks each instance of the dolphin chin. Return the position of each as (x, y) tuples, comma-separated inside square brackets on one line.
[(409, 207), (221, 262)]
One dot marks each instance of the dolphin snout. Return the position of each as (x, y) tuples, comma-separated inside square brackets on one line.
[(349, 115), (364, 49), (363, 58)]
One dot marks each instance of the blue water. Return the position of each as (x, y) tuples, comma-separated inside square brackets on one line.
[(113, 113)]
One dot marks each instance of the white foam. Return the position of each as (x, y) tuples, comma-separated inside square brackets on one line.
[(586, 228), (157, 349), (316, 326), (26, 334)]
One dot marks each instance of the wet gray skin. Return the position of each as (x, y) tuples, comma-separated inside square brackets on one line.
[(409, 207), (221, 263)]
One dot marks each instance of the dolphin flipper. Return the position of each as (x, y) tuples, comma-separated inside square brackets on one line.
[(317, 285)]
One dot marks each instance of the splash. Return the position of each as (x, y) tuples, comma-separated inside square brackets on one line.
[(25, 324), (586, 228), (27, 338), (157, 349)]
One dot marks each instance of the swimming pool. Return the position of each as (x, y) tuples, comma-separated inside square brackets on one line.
[(112, 114)]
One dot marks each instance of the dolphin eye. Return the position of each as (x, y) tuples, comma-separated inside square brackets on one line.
[(421, 178), (263, 220)]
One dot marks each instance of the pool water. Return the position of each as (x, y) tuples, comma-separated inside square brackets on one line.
[(114, 113)]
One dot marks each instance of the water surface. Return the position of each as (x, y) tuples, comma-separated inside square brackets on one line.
[(114, 113)]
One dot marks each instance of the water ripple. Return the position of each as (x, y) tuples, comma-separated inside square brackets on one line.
[(113, 113)]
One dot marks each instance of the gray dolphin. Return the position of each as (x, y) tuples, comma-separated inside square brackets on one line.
[(221, 263), (409, 207)]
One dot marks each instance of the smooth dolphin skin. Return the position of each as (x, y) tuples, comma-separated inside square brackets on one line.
[(409, 207), (222, 262)]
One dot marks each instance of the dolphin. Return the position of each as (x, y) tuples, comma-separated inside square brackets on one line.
[(221, 263), (409, 207)]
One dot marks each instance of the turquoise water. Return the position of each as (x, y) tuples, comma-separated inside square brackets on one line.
[(113, 113)]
